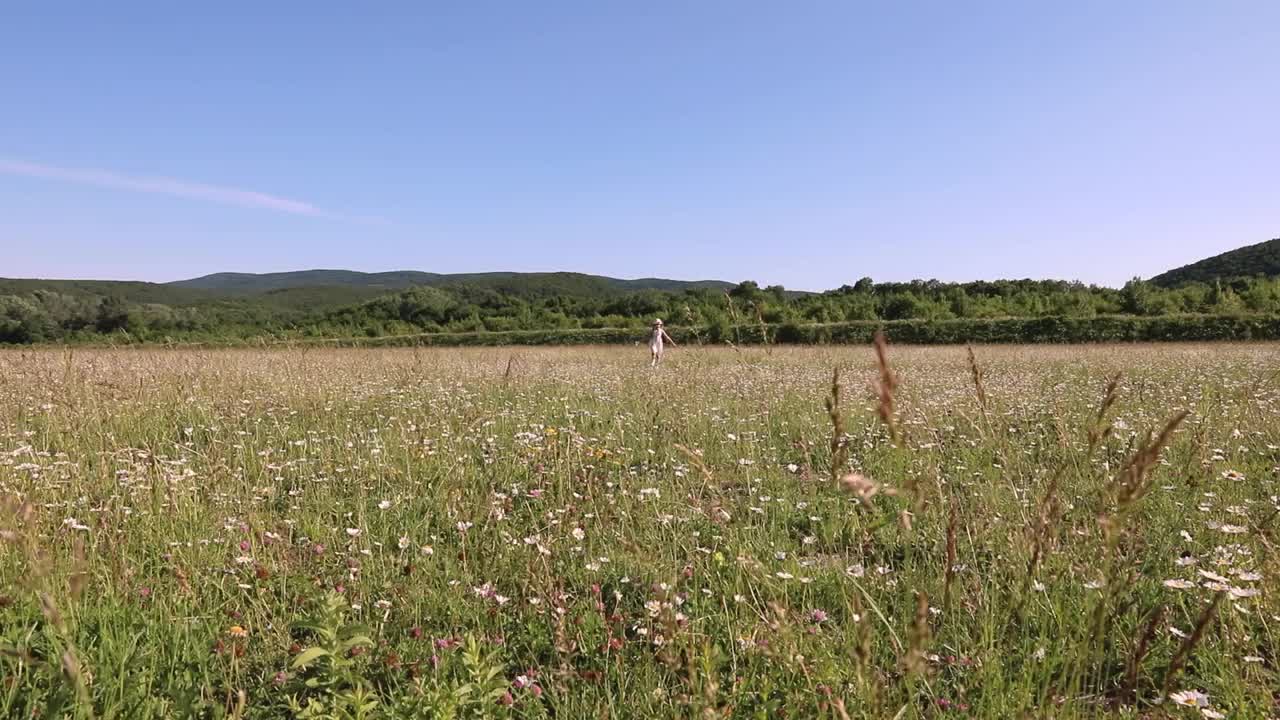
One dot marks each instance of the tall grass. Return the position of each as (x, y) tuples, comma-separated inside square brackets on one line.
[(924, 532)]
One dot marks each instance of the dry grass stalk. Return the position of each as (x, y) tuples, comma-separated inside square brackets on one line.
[(1263, 531), (1129, 690), (885, 386), (1134, 480), (38, 578), (764, 329), (977, 381), (697, 462), (1101, 428), (79, 576), (862, 656), (1129, 487), (953, 524), (1050, 507), (1046, 518), (1189, 644), (918, 640), (839, 445), (733, 318), (511, 365), (693, 324)]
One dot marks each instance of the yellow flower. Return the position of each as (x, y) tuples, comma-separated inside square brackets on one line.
[(237, 631)]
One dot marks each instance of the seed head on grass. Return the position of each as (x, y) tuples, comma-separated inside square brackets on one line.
[(885, 386), (978, 386), (839, 443), (1101, 427), (914, 662), (1129, 690), (953, 524), (1134, 480)]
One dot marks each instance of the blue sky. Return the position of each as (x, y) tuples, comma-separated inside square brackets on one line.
[(807, 143)]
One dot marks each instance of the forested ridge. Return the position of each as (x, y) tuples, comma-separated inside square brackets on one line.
[(282, 306), (1260, 260)]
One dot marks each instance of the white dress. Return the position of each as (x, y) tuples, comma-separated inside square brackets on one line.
[(655, 342)]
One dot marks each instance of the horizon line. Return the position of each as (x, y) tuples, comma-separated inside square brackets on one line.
[(568, 272)]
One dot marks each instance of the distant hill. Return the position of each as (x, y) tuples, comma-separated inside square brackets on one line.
[(332, 288), (131, 290), (311, 304), (233, 283), (1250, 261), (306, 292), (144, 293), (538, 284)]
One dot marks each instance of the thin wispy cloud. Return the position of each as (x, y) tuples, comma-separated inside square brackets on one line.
[(170, 186)]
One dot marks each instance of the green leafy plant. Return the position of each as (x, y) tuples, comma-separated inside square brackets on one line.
[(331, 669)]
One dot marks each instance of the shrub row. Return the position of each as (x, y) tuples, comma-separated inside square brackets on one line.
[(1100, 329)]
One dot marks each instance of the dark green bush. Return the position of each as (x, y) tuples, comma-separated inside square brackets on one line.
[(1099, 329)]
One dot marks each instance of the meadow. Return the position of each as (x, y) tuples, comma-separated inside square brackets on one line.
[(1047, 531)]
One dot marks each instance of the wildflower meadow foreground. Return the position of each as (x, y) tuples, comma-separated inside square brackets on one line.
[(788, 532)]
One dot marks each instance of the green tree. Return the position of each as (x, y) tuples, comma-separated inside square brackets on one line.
[(114, 314), (22, 321), (746, 291)]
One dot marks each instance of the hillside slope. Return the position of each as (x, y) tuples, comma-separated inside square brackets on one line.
[(535, 282), (1249, 261), (129, 290), (233, 283), (144, 293)]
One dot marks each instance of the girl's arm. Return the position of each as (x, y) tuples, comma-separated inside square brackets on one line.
[(668, 337)]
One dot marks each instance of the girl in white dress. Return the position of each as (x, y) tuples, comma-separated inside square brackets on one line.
[(655, 342)]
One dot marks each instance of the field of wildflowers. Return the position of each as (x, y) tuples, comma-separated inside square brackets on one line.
[(787, 532)]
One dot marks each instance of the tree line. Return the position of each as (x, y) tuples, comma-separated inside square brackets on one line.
[(51, 316)]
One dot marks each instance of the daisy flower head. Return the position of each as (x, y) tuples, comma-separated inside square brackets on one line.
[(1190, 698)]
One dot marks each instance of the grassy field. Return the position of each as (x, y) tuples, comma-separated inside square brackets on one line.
[(565, 533)]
